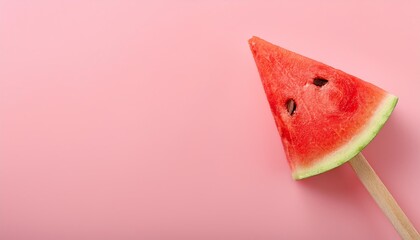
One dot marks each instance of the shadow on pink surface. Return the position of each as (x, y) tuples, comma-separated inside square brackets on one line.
[(390, 151)]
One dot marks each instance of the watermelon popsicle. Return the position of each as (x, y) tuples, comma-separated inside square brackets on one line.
[(325, 118)]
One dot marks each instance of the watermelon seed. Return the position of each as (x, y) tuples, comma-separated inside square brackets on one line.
[(320, 81), (291, 106)]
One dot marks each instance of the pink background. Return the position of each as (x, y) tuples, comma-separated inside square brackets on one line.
[(130, 120)]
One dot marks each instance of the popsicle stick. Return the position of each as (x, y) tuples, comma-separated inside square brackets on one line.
[(383, 198)]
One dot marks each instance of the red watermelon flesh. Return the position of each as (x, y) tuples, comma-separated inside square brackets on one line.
[(324, 116)]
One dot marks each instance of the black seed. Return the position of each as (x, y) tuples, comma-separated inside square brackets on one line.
[(320, 81), (291, 106)]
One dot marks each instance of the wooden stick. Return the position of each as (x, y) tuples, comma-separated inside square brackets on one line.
[(383, 198)]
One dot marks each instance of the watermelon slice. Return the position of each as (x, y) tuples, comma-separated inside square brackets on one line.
[(324, 116)]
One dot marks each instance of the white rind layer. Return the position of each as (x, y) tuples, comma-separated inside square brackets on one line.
[(354, 146)]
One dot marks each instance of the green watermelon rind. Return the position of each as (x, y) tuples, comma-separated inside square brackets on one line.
[(354, 146)]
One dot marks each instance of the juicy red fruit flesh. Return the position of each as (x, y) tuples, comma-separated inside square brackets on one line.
[(330, 106)]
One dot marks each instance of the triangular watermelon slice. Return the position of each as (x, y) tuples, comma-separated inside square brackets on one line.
[(324, 116)]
